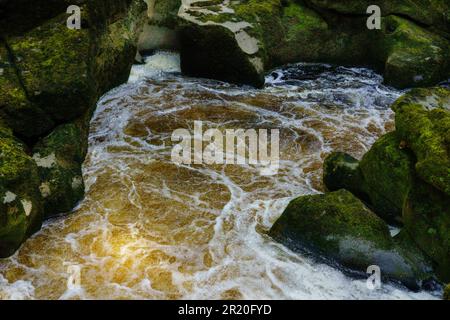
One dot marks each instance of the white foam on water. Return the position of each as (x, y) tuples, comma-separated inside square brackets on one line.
[(155, 65), (149, 229)]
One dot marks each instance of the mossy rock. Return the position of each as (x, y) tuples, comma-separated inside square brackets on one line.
[(407, 51), (53, 62), (431, 13), (59, 157), (19, 16), (422, 119), (447, 292), (218, 44), (54, 76), (20, 201), (115, 49), (25, 118), (388, 175), (426, 217), (382, 178), (342, 171), (164, 12), (341, 228), (202, 55)]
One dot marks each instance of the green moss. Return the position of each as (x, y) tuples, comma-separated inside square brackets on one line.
[(20, 202), (52, 61), (322, 220), (432, 13), (61, 177), (414, 56), (342, 171), (16, 110), (426, 217), (424, 125), (340, 227), (388, 172)]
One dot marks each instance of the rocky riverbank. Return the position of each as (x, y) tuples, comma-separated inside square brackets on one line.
[(402, 180), (51, 79)]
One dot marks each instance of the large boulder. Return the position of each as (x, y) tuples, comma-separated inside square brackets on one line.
[(422, 119), (447, 292), (221, 40), (426, 216), (239, 40), (383, 178), (20, 201), (388, 174), (59, 157), (16, 110), (51, 78), (405, 176), (341, 228)]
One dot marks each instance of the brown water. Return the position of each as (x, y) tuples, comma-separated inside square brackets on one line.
[(154, 230)]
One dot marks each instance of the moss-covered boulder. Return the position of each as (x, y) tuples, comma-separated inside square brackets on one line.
[(405, 176), (426, 217), (16, 110), (341, 228), (432, 14), (59, 157), (218, 44), (388, 175), (422, 119), (51, 78), (53, 63), (447, 292), (342, 171), (383, 178), (411, 55), (20, 202)]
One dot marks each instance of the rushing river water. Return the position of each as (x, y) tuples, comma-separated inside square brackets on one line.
[(151, 229)]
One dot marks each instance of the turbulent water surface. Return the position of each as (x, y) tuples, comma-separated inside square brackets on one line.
[(151, 229)]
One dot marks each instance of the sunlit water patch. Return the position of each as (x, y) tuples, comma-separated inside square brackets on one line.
[(151, 229)]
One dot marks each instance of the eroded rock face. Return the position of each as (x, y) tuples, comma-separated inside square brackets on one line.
[(52, 77), (340, 227)]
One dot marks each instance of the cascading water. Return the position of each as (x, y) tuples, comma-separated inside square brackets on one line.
[(151, 229)]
